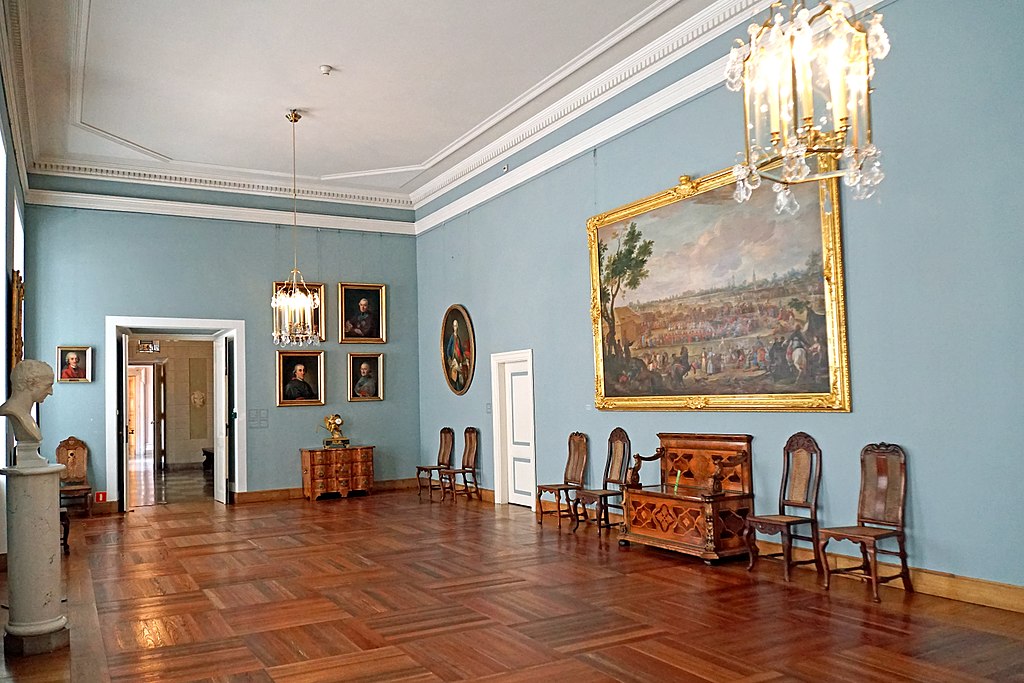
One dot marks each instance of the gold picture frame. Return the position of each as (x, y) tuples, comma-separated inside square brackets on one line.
[(74, 364), (362, 313), (17, 330), (701, 303), (366, 377), (300, 378), (319, 315), (458, 349)]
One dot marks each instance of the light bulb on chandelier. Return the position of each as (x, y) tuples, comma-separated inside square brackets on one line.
[(807, 100), (294, 304)]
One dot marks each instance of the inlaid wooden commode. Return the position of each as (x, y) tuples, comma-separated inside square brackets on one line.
[(336, 470)]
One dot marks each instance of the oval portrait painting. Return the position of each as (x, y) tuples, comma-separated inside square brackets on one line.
[(458, 349)]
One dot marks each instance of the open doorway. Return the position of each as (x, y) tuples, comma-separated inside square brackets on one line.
[(170, 434), (224, 380)]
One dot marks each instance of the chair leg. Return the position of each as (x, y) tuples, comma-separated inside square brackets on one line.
[(904, 569), (558, 507), (824, 561), (540, 509), (576, 514), (602, 515), (65, 530), (869, 548), (750, 537), (787, 553), (815, 538), (419, 485)]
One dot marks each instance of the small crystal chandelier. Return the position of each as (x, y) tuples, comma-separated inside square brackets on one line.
[(807, 93), (293, 302)]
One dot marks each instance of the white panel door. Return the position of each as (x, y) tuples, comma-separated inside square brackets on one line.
[(518, 416)]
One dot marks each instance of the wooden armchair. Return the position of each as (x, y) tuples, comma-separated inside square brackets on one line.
[(74, 479), (801, 478), (444, 461), (883, 494), (611, 487), (575, 464), (468, 469)]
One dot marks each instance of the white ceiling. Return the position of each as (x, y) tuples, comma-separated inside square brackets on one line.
[(171, 91)]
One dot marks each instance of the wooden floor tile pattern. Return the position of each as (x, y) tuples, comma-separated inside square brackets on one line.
[(390, 588)]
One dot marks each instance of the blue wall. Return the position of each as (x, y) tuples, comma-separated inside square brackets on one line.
[(932, 280), (87, 264), (932, 276)]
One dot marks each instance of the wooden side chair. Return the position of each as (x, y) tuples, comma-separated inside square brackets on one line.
[(575, 464), (883, 495), (611, 487), (425, 473), (801, 478), (74, 479), (468, 469)]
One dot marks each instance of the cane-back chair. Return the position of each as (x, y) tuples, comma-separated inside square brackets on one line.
[(425, 473), (468, 469), (798, 504), (575, 465), (883, 495), (74, 478), (615, 468)]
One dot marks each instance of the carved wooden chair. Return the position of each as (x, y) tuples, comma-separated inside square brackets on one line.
[(425, 473), (801, 477), (468, 469), (575, 464), (883, 494), (74, 479), (611, 487)]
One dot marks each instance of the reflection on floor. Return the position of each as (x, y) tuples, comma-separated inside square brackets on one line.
[(149, 486)]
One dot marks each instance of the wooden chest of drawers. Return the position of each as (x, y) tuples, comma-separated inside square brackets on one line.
[(336, 470)]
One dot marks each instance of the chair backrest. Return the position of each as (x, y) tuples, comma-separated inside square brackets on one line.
[(577, 461), (444, 453), (883, 485), (74, 455), (471, 440), (801, 474), (618, 458)]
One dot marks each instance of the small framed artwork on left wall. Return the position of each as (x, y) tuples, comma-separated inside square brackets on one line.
[(74, 363)]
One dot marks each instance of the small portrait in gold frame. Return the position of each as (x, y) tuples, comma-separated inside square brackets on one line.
[(362, 314), (300, 378), (366, 376), (74, 363)]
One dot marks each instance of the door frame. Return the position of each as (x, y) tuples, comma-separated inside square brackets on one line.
[(114, 327), (498, 421)]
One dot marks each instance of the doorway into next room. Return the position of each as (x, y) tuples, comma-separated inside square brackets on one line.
[(170, 421)]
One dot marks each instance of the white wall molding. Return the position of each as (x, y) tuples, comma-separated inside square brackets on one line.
[(210, 211), (690, 35), (641, 112)]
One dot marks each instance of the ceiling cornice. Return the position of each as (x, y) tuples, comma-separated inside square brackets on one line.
[(209, 211)]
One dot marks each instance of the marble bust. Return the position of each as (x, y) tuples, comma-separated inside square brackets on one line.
[(31, 382)]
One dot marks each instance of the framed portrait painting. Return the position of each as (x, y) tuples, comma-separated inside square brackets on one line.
[(366, 376), (458, 349), (319, 313), (300, 378), (74, 363), (702, 303), (362, 314)]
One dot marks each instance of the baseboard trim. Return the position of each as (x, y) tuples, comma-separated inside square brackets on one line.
[(928, 581)]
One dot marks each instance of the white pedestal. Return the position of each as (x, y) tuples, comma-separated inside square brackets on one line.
[(36, 623)]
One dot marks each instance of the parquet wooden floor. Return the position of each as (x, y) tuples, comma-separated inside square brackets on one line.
[(389, 588)]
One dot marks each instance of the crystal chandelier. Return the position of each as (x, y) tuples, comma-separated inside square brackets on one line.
[(807, 95), (293, 302)]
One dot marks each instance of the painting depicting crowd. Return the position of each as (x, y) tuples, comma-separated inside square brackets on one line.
[(746, 339)]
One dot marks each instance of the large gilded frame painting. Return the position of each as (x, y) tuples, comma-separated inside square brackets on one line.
[(701, 303)]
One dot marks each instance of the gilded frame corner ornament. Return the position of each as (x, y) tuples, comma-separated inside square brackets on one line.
[(702, 304)]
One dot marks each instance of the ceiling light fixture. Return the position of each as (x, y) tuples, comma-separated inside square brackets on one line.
[(294, 302), (807, 95)]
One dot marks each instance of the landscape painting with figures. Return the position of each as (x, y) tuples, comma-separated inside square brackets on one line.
[(703, 303)]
